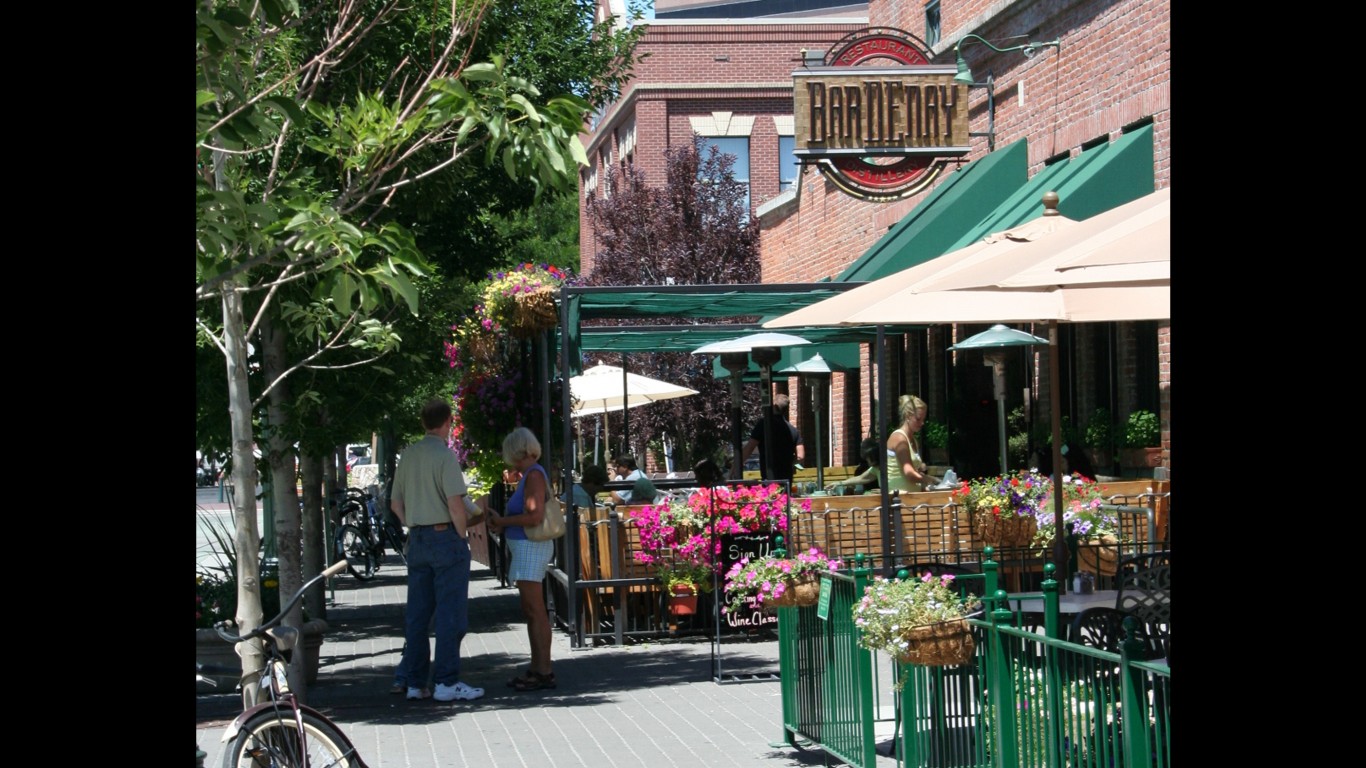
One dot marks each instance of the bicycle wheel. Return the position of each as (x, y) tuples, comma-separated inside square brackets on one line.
[(270, 739), (354, 545), (393, 536)]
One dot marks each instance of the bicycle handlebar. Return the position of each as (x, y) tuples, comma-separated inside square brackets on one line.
[(222, 626)]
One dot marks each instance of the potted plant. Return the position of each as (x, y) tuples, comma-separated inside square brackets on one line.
[(1099, 437), (1002, 508), (1142, 441), (936, 437), (682, 582), (918, 620), (777, 581)]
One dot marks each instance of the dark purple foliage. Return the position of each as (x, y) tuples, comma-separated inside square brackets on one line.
[(694, 230)]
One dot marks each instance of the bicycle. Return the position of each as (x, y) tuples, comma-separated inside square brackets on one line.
[(363, 533), (281, 732)]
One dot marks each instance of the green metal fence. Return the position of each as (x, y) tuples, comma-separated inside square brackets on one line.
[(1030, 698)]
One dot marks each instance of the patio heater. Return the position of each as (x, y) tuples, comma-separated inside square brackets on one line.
[(816, 372), (736, 363), (765, 357), (997, 338), (763, 348)]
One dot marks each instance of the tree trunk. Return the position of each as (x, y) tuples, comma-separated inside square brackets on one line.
[(244, 479), (314, 532), (288, 534)]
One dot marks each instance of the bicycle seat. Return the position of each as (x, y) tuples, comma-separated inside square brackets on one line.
[(285, 637)]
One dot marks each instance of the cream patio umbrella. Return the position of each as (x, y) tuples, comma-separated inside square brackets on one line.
[(604, 389), (1114, 266), (607, 389)]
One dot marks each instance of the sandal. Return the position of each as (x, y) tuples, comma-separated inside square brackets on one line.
[(524, 679), (534, 681)]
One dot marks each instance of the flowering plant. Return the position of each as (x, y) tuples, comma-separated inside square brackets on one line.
[(674, 533), (1081, 512), (1020, 493), (891, 608), (522, 298), (768, 578), (493, 391)]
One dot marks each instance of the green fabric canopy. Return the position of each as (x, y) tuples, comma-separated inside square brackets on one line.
[(760, 302)]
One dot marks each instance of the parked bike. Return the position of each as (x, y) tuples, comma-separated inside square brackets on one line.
[(364, 531), (281, 732)]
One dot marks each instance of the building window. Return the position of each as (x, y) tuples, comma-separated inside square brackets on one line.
[(739, 147), (788, 167), (932, 23)]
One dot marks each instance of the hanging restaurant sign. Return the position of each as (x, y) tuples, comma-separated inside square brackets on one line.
[(877, 118)]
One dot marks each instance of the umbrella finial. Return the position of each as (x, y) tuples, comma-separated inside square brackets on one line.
[(1050, 203)]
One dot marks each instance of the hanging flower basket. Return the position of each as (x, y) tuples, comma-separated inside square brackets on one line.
[(802, 591), (534, 312), (1099, 555), (943, 644), (1004, 530)]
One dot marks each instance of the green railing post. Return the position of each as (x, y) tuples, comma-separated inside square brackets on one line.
[(1050, 602), (1053, 677), (1001, 687), (989, 569), (1134, 714)]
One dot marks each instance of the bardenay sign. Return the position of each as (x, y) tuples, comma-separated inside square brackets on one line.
[(877, 118)]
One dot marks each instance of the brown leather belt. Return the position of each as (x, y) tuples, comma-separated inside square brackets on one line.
[(437, 527)]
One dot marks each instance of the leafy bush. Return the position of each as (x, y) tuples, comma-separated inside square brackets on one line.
[(935, 435), (1142, 430), (1100, 430)]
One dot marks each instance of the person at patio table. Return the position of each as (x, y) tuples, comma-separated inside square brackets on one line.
[(905, 469), (585, 492), (868, 474), (626, 472)]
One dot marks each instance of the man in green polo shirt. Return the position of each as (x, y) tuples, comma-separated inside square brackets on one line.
[(429, 496)]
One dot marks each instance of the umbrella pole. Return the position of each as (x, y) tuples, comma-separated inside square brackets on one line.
[(1001, 430), (1060, 555)]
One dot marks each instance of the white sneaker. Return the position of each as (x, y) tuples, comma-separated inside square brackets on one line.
[(458, 691), (419, 693)]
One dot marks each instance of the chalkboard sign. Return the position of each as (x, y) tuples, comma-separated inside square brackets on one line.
[(734, 548)]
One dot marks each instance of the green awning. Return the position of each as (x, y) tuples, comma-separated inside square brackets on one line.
[(953, 208), (758, 301), (993, 193), (1095, 181)]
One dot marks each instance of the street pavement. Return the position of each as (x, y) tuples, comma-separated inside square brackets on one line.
[(645, 704)]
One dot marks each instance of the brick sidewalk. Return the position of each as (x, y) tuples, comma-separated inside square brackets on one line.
[(650, 704)]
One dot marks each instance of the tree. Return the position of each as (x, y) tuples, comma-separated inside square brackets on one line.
[(695, 229), (302, 146)]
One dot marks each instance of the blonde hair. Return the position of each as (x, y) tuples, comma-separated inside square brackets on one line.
[(908, 405), (519, 444)]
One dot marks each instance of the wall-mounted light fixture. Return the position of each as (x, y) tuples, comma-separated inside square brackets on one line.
[(1028, 49)]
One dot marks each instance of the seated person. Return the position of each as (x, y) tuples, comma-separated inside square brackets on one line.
[(585, 492), (867, 469), (627, 471)]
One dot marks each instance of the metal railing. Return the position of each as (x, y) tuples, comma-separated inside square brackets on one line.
[(1028, 699)]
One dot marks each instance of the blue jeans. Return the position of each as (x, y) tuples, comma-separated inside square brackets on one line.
[(438, 584)]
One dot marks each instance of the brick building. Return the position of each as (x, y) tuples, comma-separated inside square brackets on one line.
[(1091, 115)]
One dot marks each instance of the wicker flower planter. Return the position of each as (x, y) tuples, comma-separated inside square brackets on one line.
[(1005, 530), (535, 313), (803, 591), (946, 644), (1099, 555)]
